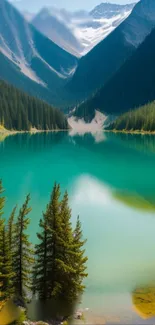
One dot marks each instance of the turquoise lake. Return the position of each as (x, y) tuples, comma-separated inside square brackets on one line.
[(110, 179)]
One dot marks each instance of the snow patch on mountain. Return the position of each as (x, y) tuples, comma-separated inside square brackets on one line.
[(80, 126), (90, 36), (95, 127), (78, 32)]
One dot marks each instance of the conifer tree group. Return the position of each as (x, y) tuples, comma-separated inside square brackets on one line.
[(139, 119), (56, 267), (21, 112), (60, 262)]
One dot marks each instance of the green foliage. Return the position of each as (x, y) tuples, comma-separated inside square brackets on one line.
[(140, 119), (23, 259), (60, 261), (2, 199), (19, 111), (2, 264), (59, 267), (80, 258), (22, 318)]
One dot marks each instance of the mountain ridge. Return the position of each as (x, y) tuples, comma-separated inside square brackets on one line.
[(133, 84), (100, 64), (36, 59), (78, 32)]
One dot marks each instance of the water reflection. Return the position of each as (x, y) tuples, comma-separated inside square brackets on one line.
[(134, 200), (35, 142), (144, 301), (98, 136), (115, 238), (138, 142), (111, 186)]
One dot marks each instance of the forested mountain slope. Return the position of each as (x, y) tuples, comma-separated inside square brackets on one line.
[(19, 111), (140, 119)]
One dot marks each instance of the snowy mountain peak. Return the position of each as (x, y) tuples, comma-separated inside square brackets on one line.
[(109, 10), (78, 32)]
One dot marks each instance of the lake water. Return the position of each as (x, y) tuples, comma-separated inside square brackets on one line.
[(110, 179)]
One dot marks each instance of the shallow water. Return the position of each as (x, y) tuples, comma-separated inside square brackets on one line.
[(111, 183)]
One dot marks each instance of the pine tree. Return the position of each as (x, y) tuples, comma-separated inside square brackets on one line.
[(11, 247), (7, 269), (80, 260), (2, 202), (47, 249), (60, 258), (40, 282), (66, 252), (54, 228), (2, 198), (11, 230), (24, 252)]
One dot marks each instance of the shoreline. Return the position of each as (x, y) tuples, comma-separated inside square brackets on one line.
[(5, 132), (131, 132)]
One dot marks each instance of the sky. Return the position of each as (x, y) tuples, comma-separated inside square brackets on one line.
[(35, 5)]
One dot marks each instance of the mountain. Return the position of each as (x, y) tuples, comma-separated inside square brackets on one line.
[(132, 86), (78, 32), (19, 111), (28, 15), (103, 61), (32, 61), (50, 24), (109, 10)]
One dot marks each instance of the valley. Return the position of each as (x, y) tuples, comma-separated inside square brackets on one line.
[(77, 120)]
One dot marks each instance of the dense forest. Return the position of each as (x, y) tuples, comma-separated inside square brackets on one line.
[(55, 267), (19, 111), (140, 119)]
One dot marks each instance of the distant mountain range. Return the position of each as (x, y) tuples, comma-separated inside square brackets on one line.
[(79, 32), (104, 61), (108, 78), (30, 60)]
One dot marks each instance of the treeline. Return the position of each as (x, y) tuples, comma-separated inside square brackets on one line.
[(140, 119), (19, 111), (55, 267)]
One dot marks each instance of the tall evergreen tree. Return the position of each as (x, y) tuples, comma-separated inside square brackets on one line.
[(11, 248), (80, 258), (11, 230), (67, 252), (2, 202), (40, 282), (60, 257), (47, 248), (6, 272), (54, 228), (7, 269), (24, 253), (2, 198)]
